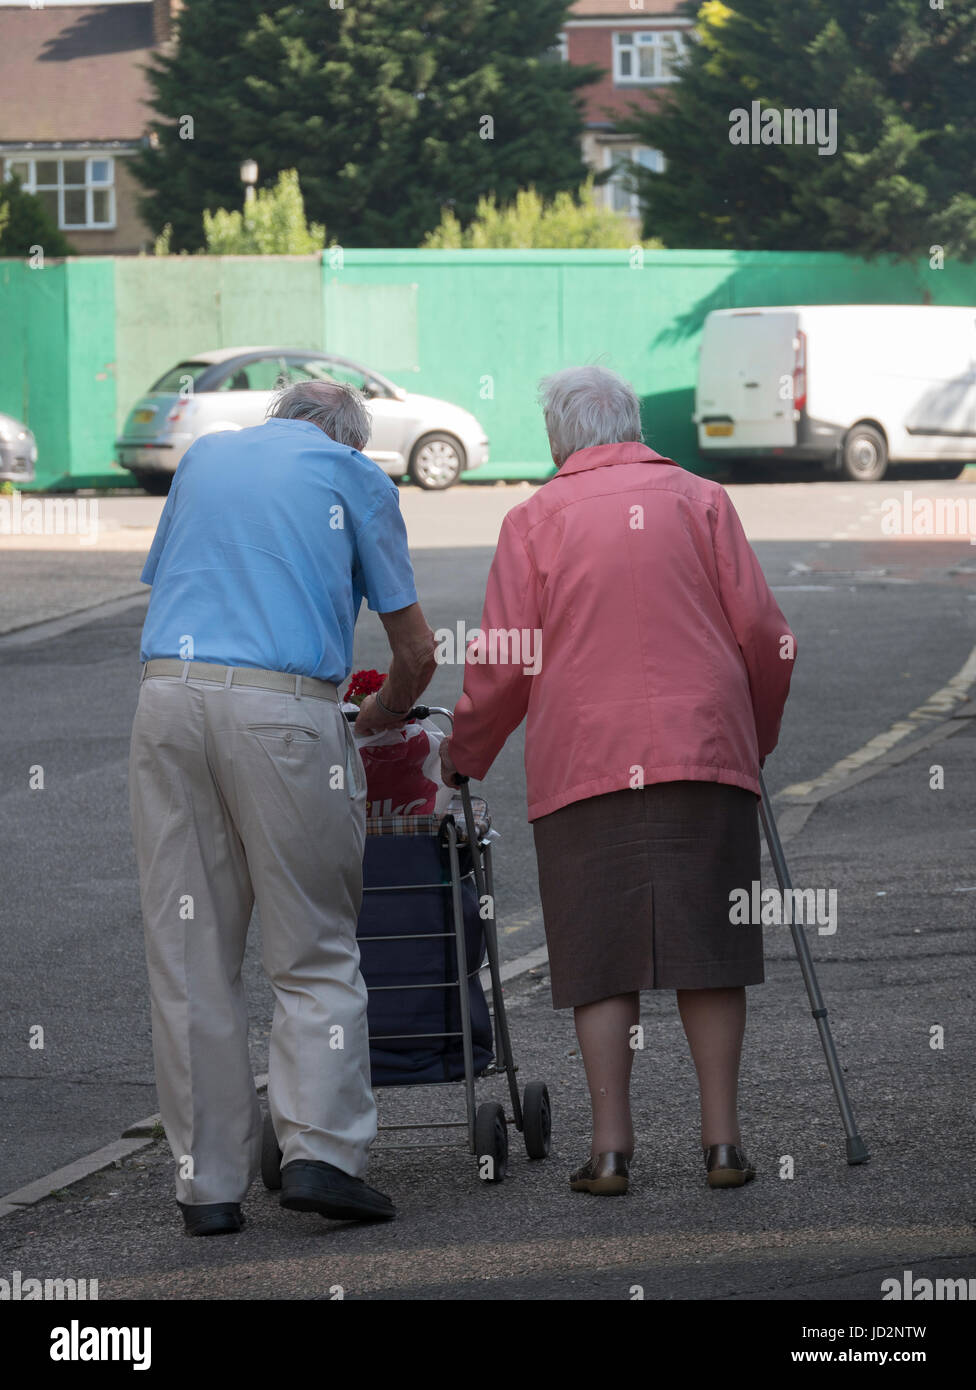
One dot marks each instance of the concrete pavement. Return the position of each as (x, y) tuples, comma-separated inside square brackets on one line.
[(46, 576)]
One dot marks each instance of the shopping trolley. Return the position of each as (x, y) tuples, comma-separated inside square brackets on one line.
[(428, 904)]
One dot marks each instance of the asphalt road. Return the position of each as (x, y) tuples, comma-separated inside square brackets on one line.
[(881, 625), (810, 1227)]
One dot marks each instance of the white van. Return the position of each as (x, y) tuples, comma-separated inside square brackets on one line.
[(854, 386)]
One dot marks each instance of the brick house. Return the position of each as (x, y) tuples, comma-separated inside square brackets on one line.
[(73, 111), (635, 42)]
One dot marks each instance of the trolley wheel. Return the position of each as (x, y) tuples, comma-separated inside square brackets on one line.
[(491, 1141), (270, 1157), (536, 1119)]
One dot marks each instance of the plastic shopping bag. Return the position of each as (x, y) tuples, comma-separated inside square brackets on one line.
[(403, 769)]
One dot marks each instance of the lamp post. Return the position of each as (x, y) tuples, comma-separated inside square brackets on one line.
[(249, 177)]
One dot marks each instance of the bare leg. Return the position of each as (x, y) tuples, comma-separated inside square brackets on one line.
[(714, 1022), (604, 1036)]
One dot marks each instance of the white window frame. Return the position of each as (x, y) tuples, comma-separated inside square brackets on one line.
[(561, 46), (615, 154), (630, 41), (91, 186)]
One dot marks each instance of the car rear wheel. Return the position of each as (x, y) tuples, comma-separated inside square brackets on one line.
[(436, 462), (156, 484), (865, 458)]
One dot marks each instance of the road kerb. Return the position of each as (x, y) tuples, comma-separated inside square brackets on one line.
[(71, 1173), (792, 813)]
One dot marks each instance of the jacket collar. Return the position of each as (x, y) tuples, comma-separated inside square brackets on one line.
[(600, 454)]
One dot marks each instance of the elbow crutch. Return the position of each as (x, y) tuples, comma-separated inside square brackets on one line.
[(856, 1149)]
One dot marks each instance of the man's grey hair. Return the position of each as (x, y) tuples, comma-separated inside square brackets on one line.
[(585, 406), (338, 409)]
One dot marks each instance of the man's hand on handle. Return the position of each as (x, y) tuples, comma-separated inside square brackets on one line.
[(372, 720)]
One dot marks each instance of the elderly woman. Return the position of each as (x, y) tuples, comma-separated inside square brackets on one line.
[(665, 668)]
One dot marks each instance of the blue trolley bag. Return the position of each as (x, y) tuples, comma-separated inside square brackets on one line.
[(407, 893)]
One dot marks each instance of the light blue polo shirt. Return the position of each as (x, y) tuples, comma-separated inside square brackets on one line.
[(269, 541)]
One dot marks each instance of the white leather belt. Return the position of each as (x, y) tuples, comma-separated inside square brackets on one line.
[(241, 675)]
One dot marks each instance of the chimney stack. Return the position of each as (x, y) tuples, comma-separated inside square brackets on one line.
[(164, 13)]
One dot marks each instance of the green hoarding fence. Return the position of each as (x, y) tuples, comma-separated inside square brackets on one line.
[(481, 327), (81, 339), (57, 334)]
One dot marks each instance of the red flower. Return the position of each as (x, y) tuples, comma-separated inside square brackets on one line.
[(363, 683)]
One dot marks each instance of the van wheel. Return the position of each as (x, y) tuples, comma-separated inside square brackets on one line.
[(865, 457)]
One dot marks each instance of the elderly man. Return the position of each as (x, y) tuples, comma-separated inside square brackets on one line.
[(246, 785)]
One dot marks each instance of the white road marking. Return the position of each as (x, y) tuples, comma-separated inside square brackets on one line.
[(937, 707), (56, 627)]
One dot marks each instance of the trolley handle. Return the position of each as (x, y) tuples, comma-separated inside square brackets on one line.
[(424, 712), (418, 712)]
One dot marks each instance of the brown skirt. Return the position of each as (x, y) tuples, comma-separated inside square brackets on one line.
[(635, 889)]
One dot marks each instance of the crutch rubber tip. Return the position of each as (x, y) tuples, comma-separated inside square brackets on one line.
[(857, 1151)]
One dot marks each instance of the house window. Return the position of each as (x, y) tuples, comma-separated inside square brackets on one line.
[(646, 58), (558, 51), (78, 192), (622, 184)]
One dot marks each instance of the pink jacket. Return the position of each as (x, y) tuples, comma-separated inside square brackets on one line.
[(664, 656)]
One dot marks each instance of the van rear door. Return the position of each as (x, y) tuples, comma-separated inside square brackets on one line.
[(745, 380)]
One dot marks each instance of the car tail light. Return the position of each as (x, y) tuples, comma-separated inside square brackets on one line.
[(178, 411), (800, 372)]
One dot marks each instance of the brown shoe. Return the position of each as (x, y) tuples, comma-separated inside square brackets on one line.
[(605, 1176), (727, 1166)]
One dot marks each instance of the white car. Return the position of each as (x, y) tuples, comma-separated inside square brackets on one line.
[(18, 451), (231, 388)]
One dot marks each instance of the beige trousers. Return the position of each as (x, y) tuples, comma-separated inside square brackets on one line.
[(241, 794)]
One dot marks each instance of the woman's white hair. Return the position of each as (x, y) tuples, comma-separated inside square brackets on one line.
[(338, 409), (585, 406)]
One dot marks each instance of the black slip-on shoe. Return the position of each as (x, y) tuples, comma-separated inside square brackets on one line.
[(607, 1175), (309, 1185), (212, 1218), (727, 1166)]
